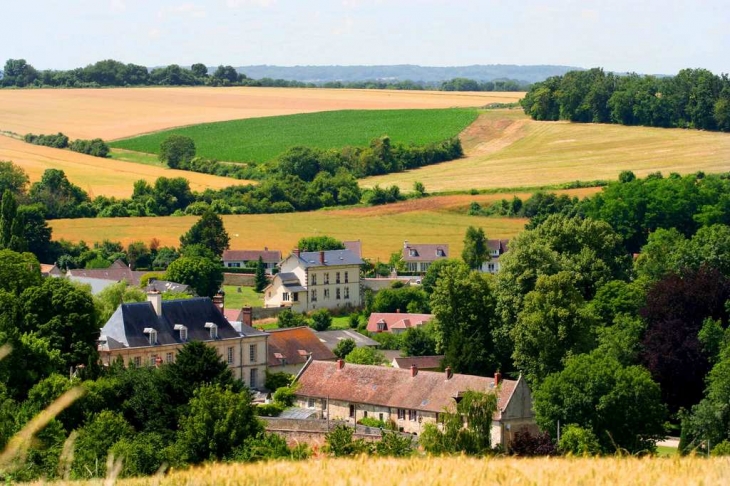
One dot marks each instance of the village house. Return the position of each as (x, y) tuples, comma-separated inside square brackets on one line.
[(410, 398), (101, 278), (51, 270), (250, 258), (419, 256), (332, 338), (151, 333), (289, 349), (316, 280), (396, 322), (496, 249), (423, 363)]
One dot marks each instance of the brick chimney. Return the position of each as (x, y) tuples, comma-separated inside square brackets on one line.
[(219, 300), (340, 364), (155, 298), (414, 370), (497, 378), (321, 257), (448, 372), (247, 316), (296, 252)]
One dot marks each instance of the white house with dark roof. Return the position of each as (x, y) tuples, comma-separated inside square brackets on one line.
[(151, 333), (419, 256), (248, 258), (315, 280), (496, 249)]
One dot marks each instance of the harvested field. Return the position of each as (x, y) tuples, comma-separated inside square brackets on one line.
[(99, 177), (124, 112), (504, 148), (381, 229)]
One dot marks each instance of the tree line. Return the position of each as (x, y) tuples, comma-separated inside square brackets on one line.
[(694, 98), (96, 147), (110, 73)]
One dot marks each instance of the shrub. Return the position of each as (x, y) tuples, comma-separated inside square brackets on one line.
[(269, 410), (372, 422), (96, 147), (277, 380), (721, 449), (528, 445), (284, 396), (321, 320), (578, 441)]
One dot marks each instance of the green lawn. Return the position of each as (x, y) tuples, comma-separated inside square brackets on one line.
[(246, 297), (138, 157), (262, 139), (663, 451)]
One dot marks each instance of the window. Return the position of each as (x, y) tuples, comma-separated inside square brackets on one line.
[(326, 294), (253, 378), (380, 417), (401, 414), (412, 415), (326, 278), (352, 411), (230, 355), (314, 279), (183, 332), (295, 296), (314, 295), (365, 414), (153, 360), (285, 296), (337, 277), (424, 266), (168, 358), (337, 293), (347, 275), (234, 264), (412, 266), (212, 329), (347, 293), (310, 403), (151, 335), (252, 353), (137, 361)]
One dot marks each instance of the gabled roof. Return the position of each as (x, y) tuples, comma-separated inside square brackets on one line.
[(354, 246), (165, 286), (424, 252), (125, 328), (393, 387), (294, 345), (420, 362), (268, 256), (332, 338), (396, 320), (500, 245), (331, 258), (113, 273)]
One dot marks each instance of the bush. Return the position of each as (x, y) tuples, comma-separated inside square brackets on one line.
[(393, 444), (344, 347), (269, 410), (721, 449), (96, 147), (56, 141), (289, 318), (284, 396), (277, 380), (578, 441), (529, 445), (177, 150), (339, 442), (321, 320)]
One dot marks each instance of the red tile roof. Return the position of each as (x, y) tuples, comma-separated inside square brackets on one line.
[(423, 252), (294, 345), (354, 246), (393, 387), (268, 256), (232, 314), (420, 362), (396, 320)]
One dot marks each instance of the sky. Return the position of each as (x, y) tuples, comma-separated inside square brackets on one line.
[(645, 36)]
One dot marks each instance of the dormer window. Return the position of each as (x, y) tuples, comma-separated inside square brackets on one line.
[(151, 335), (440, 252), (213, 329), (412, 252), (183, 330)]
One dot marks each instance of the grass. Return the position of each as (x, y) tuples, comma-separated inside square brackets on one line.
[(455, 470), (504, 148), (665, 451), (262, 139), (246, 297), (136, 157)]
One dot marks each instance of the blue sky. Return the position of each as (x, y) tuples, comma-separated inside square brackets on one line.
[(648, 36)]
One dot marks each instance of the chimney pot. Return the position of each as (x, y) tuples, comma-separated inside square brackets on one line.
[(497, 378), (297, 251), (247, 316), (414, 370), (448, 373), (155, 298), (321, 257), (340, 364)]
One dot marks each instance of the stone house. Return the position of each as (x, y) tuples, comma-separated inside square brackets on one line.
[(409, 398), (395, 322), (419, 256), (315, 280), (151, 333), (289, 349)]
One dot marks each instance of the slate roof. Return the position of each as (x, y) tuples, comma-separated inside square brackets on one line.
[(165, 286), (332, 338), (268, 256), (423, 252), (331, 258), (294, 345), (125, 328), (113, 273), (420, 362), (396, 320), (393, 387)]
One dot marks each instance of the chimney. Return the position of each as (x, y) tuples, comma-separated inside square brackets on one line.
[(321, 257), (397, 311), (155, 298), (219, 300), (405, 244), (414, 370), (296, 252), (340, 364), (247, 316), (449, 374), (497, 378)]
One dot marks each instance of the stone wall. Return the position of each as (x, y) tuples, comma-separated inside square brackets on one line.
[(313, 431), (240, 279)]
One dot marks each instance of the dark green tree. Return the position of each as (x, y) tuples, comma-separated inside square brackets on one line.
[(321, 320), (475, 250), (12, 178), (199, 70), (177, 151), (260, 280), (319, 243), (288, 318), (344, 347), (365, 355), (434, 272), (202, 274), (209, 232), (418, 341)]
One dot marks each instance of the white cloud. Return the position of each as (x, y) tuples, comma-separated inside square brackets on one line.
[(188, 9), (117, 6), (344, 28), (154, 33), (250, 3)]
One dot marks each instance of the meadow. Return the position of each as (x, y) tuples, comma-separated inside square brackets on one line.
[(263, 139), (382, 229), (125, 112), (627, 471), (504, 148)]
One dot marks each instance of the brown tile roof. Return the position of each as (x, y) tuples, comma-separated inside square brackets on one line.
[(115, 274), (232, 314), (393, 387), (417, 252), (268, 256), (420, 362), (294, 345), (500, 245), (396, 320), (354, 246)]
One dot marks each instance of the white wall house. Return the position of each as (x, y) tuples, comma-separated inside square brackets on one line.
[(315, 280), (496, 249), (419, 256)]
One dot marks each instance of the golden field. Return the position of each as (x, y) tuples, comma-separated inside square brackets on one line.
[(382, 229), (123, 112), (461, 471), (99, 177), (504, 148)]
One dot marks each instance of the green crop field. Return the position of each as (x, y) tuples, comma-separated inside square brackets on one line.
[(262, 139)]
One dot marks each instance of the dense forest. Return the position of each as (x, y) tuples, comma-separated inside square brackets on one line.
[(694, 98), (109, 73)]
